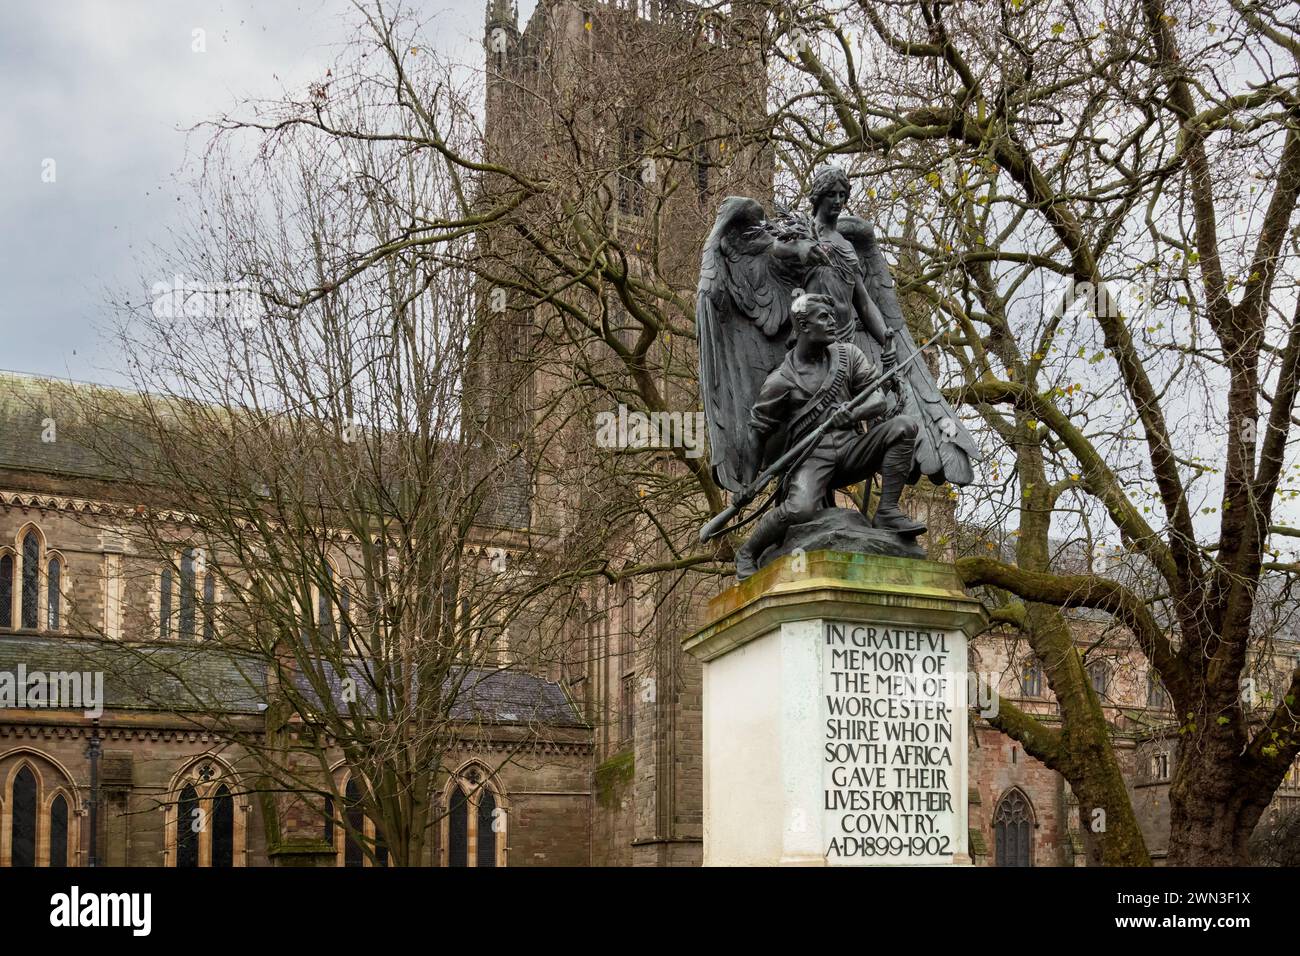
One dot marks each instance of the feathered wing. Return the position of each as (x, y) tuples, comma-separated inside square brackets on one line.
[(945, 450), (741, 315)]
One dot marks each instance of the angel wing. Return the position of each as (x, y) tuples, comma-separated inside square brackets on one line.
[(944, 448), (741, 313)]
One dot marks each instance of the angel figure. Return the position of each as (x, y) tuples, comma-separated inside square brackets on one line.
[(749, 274)]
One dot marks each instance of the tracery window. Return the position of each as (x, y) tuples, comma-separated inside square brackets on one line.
[(1031, 678), (474, 827), (1099, 677), (1013, 830), (1157, 696), (205, 828)]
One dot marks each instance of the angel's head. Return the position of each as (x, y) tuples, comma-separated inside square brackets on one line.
[(814, 316), (830, 185)]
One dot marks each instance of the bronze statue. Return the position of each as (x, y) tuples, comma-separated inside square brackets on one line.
[(760, 400)]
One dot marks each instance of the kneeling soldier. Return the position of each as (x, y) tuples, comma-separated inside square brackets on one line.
[(817, 379)]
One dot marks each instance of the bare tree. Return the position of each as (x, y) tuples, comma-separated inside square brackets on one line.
[(1102, 198), (304, 471)]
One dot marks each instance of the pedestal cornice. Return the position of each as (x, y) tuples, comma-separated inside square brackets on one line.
[(831, 585)]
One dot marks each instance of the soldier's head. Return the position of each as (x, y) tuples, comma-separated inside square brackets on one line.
[(814, 317), (830, 185)]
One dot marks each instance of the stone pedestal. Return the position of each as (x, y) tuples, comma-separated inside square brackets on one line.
[(835, 696)]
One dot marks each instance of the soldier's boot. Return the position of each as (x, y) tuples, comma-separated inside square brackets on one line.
[(770, 530), (893, 472)]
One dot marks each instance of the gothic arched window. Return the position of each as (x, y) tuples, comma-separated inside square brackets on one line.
[(353, 854), (1013, 830), (474, 827), (22, 833), (204, 826), (187, 595), (37, 804), (59, 831), (1157, 696), (1031, 679), (6, 590), (36, 800), (189, 823), (458, 829), (223, 827), (1099, 677), (209, 607), (487, 836), (350, 841), (31, 580), (165, 604), (53, 576)]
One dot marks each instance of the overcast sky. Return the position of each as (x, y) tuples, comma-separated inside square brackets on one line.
[(105, 89)]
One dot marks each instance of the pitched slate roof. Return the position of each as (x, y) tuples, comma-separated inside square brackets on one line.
[(172, 677), (511, 696), (483, 694), (32, 412), (169, 677), (29, 403)]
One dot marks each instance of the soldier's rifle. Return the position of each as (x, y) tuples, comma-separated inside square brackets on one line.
[(801, 448)]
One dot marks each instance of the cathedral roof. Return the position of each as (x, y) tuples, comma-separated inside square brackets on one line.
[(182, 678)]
